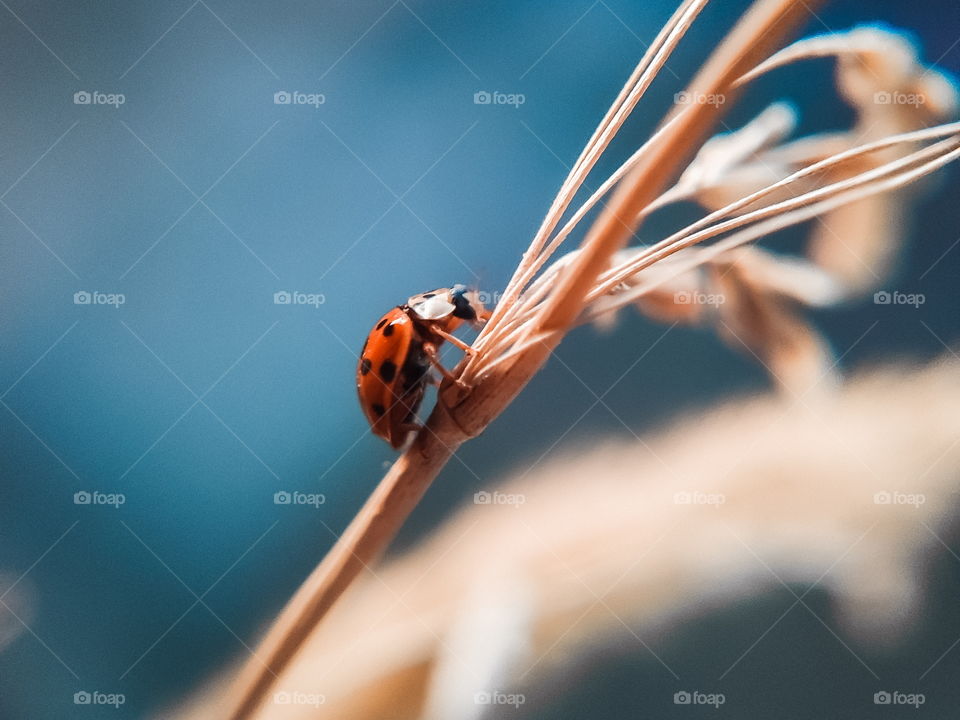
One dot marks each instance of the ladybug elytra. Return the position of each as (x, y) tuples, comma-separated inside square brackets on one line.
[(394, 365)]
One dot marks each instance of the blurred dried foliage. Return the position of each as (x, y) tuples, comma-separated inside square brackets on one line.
[(755, 296), (752, 182), (635, 537)]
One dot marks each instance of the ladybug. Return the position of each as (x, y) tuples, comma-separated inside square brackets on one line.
[(394, 365)]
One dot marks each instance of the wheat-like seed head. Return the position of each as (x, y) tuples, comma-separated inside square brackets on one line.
[(754, 182)]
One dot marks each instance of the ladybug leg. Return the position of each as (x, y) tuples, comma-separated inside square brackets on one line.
[(430, 350), (455, 341)]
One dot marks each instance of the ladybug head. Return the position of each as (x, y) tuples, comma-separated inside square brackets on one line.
[(457, 302), (467, 304)]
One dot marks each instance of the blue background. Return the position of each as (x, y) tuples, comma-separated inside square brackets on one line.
[(397, 184)]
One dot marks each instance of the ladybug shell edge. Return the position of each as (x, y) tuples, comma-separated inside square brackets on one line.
[(380, 376)]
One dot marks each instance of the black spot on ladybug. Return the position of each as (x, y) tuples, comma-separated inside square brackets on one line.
[(388, 371), (381, 323), (378, 409), (365, 365), (388, 331)]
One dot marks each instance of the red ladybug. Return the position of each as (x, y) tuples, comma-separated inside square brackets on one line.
[(394, 365)]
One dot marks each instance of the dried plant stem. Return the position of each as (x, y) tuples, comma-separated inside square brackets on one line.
[(652, 61), (821, 46), (528, 270), (818, 201), (789, 216), (700, 231), (457, 417), (368, 534), (753, 39)]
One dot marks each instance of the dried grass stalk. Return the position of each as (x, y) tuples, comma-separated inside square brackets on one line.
[(542, 303)]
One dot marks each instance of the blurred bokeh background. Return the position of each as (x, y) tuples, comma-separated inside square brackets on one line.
[(198, 397)]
